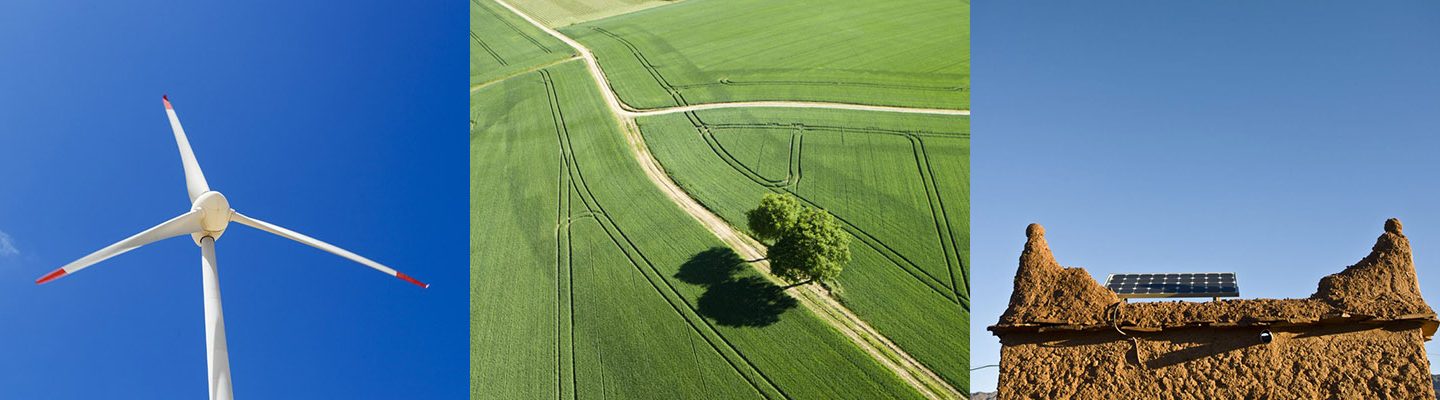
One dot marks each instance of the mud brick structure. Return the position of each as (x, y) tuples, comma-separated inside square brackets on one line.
[(1360, 336)]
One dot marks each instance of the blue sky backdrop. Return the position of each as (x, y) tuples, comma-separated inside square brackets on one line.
[(346, 122), (1271, 140)]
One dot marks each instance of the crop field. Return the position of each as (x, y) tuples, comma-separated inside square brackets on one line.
[(587, 282), (899, 53), (898, 182), (502, 44), (558, 13)]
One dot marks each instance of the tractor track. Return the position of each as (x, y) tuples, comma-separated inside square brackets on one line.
[(487, 48), (762, 384), (829, 309), (675, 90), (729, 82), (941, 219), (513, 28)]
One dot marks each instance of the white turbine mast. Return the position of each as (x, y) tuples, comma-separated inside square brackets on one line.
[(207, 219)]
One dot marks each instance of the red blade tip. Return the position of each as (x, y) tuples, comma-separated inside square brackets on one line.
[(51, 276), (407, 278), (166, 98)]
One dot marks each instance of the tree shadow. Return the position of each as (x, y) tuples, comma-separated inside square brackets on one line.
[(711, 267), (730, 300)]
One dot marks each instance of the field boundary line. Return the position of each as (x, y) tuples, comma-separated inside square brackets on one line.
[(476, 87), (912, 372)]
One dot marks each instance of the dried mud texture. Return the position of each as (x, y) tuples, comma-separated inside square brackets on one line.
[(1200, 363), (1253, 311), (1361, 335), (1383, 284), (1047, 293)]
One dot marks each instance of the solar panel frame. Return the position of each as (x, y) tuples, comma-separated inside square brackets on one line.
[(1173, 285)]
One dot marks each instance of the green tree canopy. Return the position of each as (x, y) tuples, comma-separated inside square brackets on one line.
[(774, 217), (814, 247)]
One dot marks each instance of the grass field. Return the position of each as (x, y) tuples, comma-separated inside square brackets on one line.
[(900, 53), (502, 44), (558, 13), (899, 182), (588, 283)]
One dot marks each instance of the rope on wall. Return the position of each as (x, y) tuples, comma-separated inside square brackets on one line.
[(1114, 314)]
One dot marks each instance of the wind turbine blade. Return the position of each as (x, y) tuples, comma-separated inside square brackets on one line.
[(194, 179), (316, 243), (184, 224)]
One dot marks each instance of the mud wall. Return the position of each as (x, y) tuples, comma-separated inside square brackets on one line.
[(1360, 335), (1335, 362)]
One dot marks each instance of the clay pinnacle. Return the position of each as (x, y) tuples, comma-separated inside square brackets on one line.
[(1035, 230), (1393, 225)]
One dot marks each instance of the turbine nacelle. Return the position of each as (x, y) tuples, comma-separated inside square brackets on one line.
[(215, 214)]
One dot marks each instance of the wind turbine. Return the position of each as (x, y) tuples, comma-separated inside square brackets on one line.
[(207, 219)]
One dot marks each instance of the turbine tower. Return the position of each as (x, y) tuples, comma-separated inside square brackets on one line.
[(207, 219)]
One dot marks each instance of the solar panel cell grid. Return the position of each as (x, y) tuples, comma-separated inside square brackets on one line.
[(1204, 284)]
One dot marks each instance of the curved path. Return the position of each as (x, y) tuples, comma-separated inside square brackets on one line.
[(813, 297)]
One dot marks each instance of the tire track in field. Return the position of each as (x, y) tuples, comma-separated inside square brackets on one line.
[(675, 90), (617, 236), (937, 212), (730, 82), (796, 166), (792, 172), (949, 229), (735, 163), (951, 292), (623, 110), (868, 239), (813, 297), (564, 278), (476, 87), (512, 27), (654, 72), (487, 48), (958, 135), (891, 356)]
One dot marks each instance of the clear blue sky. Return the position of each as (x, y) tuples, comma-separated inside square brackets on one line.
[(343, 121), (1271, 140)]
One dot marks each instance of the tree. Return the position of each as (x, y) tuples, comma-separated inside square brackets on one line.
[(774, 217), (814, 248)]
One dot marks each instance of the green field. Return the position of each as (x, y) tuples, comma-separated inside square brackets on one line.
[(502, 44), (901, 53), (588, 283), (899, 182), (558, 13)]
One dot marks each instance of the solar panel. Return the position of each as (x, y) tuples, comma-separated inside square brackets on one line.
[(1197, 284)]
